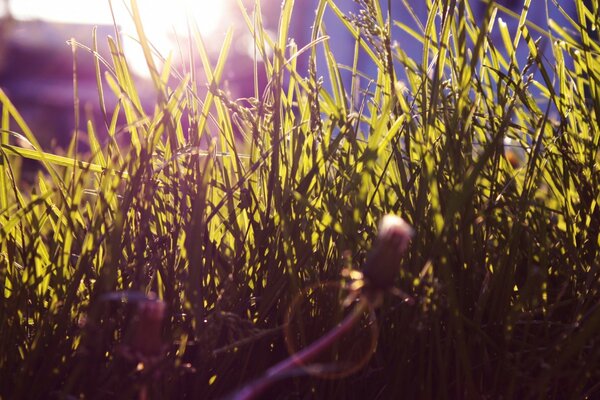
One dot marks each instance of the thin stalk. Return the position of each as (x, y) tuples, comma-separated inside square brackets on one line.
[(283, 368)]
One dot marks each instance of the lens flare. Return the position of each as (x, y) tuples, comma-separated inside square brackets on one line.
[(317, 310)]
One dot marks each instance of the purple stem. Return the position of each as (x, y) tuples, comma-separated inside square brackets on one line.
[(303, 357)]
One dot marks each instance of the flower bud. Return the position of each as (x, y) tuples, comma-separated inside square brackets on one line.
[(383, 261)]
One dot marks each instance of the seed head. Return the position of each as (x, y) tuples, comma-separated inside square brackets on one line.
[(383, 261)]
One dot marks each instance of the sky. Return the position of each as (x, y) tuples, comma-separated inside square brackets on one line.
[(206, 12)]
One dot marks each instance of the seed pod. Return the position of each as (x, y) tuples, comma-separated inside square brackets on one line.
[(383, 261)]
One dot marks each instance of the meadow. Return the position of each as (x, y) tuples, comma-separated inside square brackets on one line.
[(169, 258)]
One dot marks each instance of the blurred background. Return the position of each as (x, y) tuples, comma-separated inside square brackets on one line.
[(37, 60)]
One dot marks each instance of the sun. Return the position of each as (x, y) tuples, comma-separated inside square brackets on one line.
[(165, 18), (167, 22)]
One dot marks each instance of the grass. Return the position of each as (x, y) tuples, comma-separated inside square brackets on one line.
[(227, 209)]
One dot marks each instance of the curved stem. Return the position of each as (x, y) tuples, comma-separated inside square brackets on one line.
[(304, 356)]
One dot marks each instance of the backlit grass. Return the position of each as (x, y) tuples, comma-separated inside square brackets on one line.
[(227, 209)]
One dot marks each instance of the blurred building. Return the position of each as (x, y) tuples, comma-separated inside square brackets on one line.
[(36, 71)]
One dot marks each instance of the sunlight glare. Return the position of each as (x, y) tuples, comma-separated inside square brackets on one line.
[(167, 22), (164, 21)]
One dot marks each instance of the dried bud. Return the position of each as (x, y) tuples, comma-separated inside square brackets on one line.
[(147, 331), (383, 261)]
